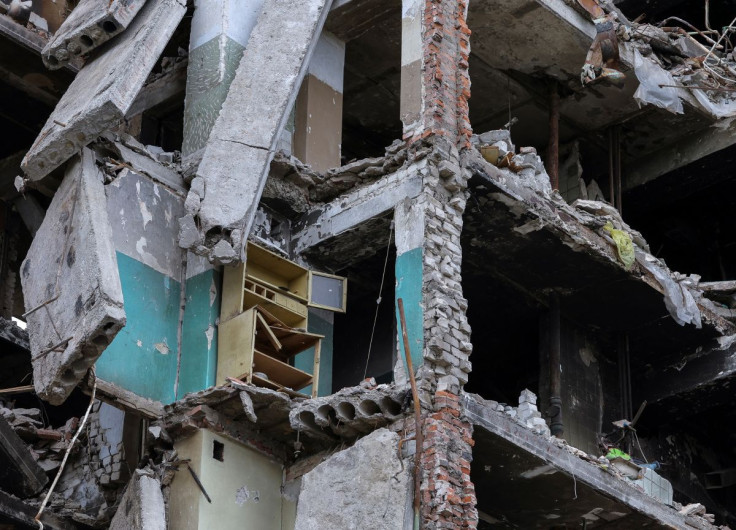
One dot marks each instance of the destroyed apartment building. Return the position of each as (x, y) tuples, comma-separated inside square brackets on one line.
[(266, 264)]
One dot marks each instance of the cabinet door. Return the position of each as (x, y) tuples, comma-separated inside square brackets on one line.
[(235, 342)]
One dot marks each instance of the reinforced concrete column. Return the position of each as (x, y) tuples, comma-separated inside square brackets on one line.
[(435, 85), (220, 32), (318, 111), (411, 101)]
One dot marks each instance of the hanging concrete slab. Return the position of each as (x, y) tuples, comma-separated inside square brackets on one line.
[(104, 89), (237, 157), (90, 24), (71, 285)]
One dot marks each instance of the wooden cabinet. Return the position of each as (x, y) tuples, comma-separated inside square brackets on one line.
[(256, 347), (263, 323)]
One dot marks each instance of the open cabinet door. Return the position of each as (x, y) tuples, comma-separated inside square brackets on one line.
[(328, 291), (71, 284)]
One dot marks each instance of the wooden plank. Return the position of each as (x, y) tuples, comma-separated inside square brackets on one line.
[(19, 472), (267, 332), (315, 370), (718, 287), (125, 399)]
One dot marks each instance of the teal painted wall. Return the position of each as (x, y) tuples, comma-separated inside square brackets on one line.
[(199, 333), (143, 356), (305, 360), (409, 288)]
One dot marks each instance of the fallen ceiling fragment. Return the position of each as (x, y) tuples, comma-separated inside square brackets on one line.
[(72, 291), (89, 25), (237, 157), (104, 89)]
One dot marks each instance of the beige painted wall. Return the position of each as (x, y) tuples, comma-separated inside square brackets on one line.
[(318, 125), (245, 488)]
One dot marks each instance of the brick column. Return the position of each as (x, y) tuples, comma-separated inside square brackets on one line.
[(434, 109), (435, 85)]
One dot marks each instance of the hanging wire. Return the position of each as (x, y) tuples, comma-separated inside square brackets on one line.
[(68, 449), (378, 300)]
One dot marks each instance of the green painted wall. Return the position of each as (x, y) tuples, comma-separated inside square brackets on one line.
[(305, 360), (199, 333), (143, 356), (409, 288)]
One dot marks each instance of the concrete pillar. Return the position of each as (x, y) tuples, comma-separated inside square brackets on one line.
[(435, 85), (220, 32), (318, 116), (409, 219), (411, 104)]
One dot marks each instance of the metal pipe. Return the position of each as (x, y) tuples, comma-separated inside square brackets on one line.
[(619, 192), (611, 191), (553, 150), (418, 434), (555, 367)]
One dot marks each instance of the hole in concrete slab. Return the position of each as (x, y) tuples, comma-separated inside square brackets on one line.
[(218, 450), (307, 419), (327, 413), (86, 40), (68, 377), (53, 61), (100, 340), (109, 326), (346, 411), (109, 26), (389, 406), (369, 407)]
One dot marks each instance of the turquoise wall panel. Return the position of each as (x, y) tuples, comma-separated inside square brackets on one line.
[(305, 360), (143, 356), (409, 288), (199, 333)]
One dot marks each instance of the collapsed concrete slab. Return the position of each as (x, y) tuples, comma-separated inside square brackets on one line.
[(89, 25), (142, 506), (367, 482), (236, 160), (19, 472), (104, 89), (349, 413), (71, 286)]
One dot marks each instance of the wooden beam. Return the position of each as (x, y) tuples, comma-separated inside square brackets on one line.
[(19, 472), (124, 399)]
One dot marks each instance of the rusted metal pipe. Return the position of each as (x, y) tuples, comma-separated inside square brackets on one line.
[(555, 367), (419, 435), (619, 186), (611, 177), (553, 150)]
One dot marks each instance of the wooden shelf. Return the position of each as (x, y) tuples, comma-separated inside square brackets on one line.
[(280, 274), (287, 310), (285, 374)]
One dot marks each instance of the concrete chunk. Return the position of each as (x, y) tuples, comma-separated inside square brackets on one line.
[(104, 89), (361, 487), (89, 25), (142, 506), (71, 272), (236, 160)]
